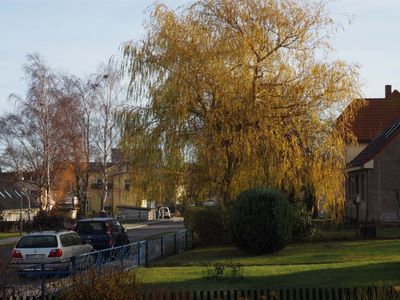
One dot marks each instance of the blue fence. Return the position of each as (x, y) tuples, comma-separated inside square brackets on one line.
[(40, 280)]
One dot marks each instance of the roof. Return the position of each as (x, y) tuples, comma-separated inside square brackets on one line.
[(377, 145), (375, 116), (11, 193), (97, 166)]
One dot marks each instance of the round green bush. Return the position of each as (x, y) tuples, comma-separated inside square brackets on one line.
[(261, 221)]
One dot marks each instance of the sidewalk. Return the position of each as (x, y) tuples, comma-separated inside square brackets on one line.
[(146, 223)]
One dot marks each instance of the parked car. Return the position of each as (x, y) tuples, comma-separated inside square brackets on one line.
[(48, 247), (164, 213), (102, 233)]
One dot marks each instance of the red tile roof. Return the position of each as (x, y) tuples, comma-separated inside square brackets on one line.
[(377, 145), (375, 116)]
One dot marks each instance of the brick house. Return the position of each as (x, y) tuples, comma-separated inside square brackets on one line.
[(373, 165)]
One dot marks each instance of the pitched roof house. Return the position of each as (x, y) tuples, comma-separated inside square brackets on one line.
[(17, 198), (373, 165)]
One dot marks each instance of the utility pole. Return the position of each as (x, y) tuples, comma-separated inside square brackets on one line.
[(20, 210)]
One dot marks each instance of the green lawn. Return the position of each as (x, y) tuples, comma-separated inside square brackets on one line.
[(330, 264), (6, 235)]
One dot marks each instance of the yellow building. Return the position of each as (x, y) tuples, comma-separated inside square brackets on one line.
[(120, 189)]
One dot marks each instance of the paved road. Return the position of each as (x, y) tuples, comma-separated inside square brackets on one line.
[(141, 232), (136, 232)]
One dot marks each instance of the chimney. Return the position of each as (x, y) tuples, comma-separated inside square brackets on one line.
[(388, 90)]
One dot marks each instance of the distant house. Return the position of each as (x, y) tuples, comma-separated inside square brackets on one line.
[(16, 199), (373, 165), (121, 193)]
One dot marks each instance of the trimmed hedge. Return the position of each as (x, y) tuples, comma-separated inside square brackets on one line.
[(47, 221), (261, 221), (206, 223)]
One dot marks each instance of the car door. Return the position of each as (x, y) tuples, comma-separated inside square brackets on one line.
[(79, 247), (67, 245), (119, 237), (123, 232)]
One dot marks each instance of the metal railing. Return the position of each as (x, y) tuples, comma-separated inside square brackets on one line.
[(40, 280)]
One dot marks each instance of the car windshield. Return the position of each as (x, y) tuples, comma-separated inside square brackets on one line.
[(89, 227), (37, 241)]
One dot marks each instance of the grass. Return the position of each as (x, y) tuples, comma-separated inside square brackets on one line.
[(6, 235), (322, 264)]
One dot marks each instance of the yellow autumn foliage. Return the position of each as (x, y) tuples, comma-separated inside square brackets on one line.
[(245, 93)]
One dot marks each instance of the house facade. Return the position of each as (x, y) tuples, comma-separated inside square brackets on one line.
[(121, 192), (373, 164)]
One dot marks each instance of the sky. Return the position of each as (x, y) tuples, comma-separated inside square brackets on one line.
[(77, 35)]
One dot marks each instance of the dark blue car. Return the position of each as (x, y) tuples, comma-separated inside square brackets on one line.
[(102, 233)]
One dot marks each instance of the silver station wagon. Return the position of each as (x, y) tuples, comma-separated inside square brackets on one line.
[(48, 247)]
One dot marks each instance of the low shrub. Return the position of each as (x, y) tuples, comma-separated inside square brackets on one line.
[(303, 226), (261, 221), (107, 284), (207, 224), (230, 272), (47, 221)]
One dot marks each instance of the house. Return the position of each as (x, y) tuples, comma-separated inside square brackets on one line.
[(18, 199), (373, 164), (374, 117), (121, 192)]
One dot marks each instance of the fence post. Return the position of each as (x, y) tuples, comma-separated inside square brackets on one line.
[(4, 295), (138, 257), (73, 261), (147, 253), (162, 247), (43, 286), (186, 240), (175, 246), (122, 252)]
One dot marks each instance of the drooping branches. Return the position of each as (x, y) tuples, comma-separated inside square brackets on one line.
[(247, 86)]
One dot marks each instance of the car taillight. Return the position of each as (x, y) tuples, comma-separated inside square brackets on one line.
[(55, 253), (108, 231), (16, 254)]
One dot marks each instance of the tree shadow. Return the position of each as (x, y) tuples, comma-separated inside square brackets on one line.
[(371, 274)]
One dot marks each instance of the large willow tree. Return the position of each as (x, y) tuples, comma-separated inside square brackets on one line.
[(244, 92)]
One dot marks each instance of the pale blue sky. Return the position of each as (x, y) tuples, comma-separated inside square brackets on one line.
[(76, 35)]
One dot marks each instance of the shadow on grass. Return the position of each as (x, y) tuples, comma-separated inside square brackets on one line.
[(271, 277), (305, 253)]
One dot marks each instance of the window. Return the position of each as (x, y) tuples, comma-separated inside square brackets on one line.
[(66, 240), (356, 187), (89, 227), (118, 226), (38, 241), (76, 239), (127, 185)]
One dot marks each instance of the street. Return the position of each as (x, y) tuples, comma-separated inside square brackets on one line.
[(137, 232)]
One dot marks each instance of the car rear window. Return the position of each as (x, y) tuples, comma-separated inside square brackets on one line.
[(89, 227), (37, 241)]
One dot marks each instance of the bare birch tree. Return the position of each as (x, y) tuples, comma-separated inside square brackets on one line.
[(35, 127), (109, 96)]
